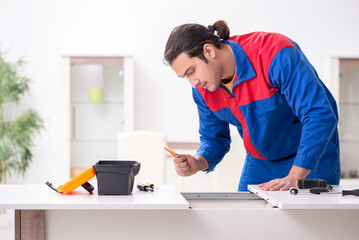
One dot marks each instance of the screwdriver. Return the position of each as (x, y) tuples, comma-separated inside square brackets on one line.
[(318, 190), (145, 188)]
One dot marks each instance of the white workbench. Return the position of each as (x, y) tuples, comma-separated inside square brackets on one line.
[(42, 213), (306, 200), (42, 197)]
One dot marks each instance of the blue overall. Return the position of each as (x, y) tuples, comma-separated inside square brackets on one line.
[(284, 113)]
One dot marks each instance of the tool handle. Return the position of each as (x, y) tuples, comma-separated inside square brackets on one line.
[(318, 190), (141, 186), (354, 192), (88, 187), (144, 187)]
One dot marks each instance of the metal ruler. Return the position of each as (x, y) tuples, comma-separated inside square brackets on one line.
[(220, 196)]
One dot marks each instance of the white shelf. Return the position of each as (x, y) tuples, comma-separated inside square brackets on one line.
[(94, 122), (349, 103), (342, 140), (95, 126), (86, 153)]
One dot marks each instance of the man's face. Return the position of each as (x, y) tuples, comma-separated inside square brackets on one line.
[(198, 72)]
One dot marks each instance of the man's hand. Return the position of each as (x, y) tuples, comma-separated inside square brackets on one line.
[(281, 184), (187, 165), (287, 182)]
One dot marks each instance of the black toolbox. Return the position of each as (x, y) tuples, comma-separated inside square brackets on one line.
[(116, 177)]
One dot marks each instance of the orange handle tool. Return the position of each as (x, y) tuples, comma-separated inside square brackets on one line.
[(77, 181), (170, 151)]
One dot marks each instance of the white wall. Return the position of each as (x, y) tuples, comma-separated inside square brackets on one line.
[(41, 31)]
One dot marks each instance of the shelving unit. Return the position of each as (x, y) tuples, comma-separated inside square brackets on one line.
[(349, 115), (95, 124)]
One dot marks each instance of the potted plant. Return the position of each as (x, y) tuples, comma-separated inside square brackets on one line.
[(16, 132)]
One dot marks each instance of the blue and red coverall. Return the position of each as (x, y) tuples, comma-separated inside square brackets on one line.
[(284, 113)]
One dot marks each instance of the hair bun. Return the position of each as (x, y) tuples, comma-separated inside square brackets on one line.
[(222, 30), (211, 28)]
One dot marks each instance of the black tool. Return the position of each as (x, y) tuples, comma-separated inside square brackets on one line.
[(146, 187), (151, 185), (295, 190), (318, 190), (311, 183)]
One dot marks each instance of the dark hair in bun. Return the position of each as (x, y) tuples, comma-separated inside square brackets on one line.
[(190, 38)]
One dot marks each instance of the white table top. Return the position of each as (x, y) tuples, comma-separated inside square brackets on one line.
[(42, 197), (306, 200)]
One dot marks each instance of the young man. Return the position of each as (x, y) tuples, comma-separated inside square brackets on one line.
[(264, 85)]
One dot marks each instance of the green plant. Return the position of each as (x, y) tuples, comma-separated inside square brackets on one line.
[(16, 132)]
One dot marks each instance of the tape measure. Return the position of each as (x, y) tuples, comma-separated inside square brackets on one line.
[(310, 183)]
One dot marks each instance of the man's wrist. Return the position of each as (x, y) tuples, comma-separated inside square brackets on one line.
[(202, 163), (298, 172)]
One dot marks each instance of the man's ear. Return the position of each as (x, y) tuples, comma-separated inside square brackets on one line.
[(209, 51)]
